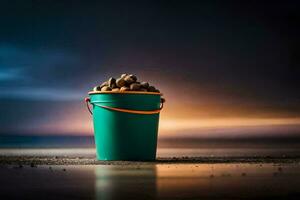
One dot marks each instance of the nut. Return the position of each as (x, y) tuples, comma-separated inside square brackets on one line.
[(128, 80), (115, 90), (105, 88), (114, 85), (104, 84), (123, 75), (134, 78), (120, 82), (151, 89), (135, 86), (124, 88), (111, 81), (97, 88), (145, 84)]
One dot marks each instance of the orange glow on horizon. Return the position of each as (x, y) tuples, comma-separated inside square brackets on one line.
[(185, 124), (182, 127)]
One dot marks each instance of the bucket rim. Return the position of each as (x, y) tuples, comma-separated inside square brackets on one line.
[(124, 92)]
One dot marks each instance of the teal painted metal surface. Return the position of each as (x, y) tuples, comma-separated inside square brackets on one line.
[(122, 135)]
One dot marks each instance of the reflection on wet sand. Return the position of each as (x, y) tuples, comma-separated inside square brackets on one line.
[(151, 181), (228, 181), (125, 182), (194, 181)]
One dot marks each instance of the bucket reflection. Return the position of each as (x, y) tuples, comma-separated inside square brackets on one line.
[(122, 182)]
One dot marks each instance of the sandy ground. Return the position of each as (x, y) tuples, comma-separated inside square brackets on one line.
[(30, 177), (68, 160)]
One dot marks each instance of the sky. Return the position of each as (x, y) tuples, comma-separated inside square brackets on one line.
[(226, 68)]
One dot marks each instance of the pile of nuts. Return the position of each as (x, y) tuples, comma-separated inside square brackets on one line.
[(127, 82)]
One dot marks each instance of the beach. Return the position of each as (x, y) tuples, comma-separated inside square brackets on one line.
[(149, 100), (45, 174)]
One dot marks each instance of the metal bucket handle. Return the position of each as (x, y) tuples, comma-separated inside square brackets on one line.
[(143, 112)]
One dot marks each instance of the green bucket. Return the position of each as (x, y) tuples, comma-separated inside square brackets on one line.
[(125, 124)]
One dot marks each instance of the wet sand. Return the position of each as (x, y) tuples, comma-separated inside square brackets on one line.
[(68, 160), (38, 177)]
